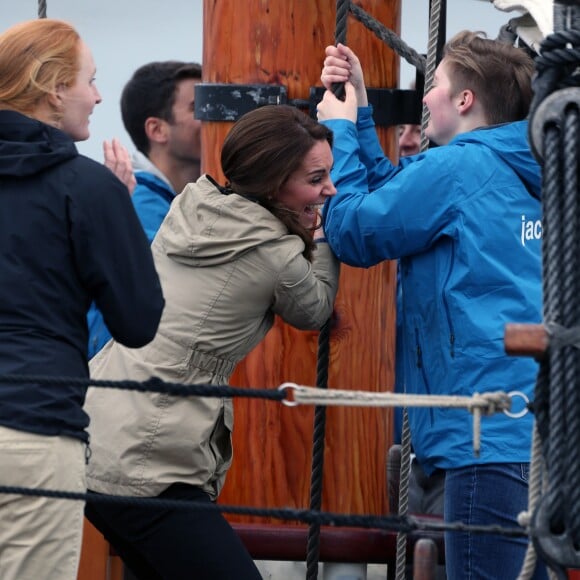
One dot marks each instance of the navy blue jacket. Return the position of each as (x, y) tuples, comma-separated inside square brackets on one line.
[(151, 199), (68, 235)]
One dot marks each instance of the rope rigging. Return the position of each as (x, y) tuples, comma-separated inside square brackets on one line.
[(435, 28), (391, 523), (555, 136), (318, 437), (436, 19), (490, 403)]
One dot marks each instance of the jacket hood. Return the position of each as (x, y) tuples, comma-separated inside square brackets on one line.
[(510, 143), (206, 227), (28, 147)]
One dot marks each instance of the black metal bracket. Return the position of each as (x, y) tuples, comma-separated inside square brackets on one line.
[(228, 102), (390, 106)]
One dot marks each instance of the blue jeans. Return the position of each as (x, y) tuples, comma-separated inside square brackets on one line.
[(492, 494)]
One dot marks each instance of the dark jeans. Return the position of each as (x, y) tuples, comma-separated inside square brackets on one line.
[(174, 544), (485, 495)]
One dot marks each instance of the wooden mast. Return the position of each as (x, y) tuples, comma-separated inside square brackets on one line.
[(282, 42)]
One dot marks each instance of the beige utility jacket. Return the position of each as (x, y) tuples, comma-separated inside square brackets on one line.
[(227, 266)]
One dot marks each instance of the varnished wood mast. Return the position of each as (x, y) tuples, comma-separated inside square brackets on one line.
[(282, 42)]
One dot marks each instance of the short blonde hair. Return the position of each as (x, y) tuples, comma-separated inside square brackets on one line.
[(36, 57)]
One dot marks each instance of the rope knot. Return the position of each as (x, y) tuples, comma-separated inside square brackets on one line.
[(560, 336), (489, 403)]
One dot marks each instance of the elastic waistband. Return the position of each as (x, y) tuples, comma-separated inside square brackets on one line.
[(212, 364)]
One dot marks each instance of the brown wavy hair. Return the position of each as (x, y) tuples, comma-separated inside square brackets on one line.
[(262, 150)]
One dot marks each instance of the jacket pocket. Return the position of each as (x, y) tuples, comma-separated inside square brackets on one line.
[(221, 438), (422, 372)]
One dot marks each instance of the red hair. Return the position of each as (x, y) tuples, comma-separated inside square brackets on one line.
[(36, 57)]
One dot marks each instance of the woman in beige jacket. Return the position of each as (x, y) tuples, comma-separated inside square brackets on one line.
[(229, 259)]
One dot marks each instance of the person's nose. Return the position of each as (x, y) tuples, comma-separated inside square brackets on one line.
[(329, 189), (98, 98)]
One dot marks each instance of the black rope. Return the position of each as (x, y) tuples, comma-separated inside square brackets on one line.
[(41, 8), (389, 522), (560, 336), (556, 380), (557, 396), (570, 289), (318, 438), (316, 477), (556, 65), (389, 38), (153, 384), (386, 35), (553, 274), (342, 7)]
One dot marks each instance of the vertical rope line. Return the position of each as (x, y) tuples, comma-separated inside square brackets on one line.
[(552, 198), (401, 553), (431, 64), (41, 8), (342, 9), (557, 383), (534, 493), (569, 154), (313, 542)]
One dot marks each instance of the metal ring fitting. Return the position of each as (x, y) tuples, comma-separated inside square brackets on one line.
[(512, 395)]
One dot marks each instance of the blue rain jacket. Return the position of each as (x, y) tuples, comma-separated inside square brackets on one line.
[(464, 220)]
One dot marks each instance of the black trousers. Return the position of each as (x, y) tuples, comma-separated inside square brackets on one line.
[(174, 544)]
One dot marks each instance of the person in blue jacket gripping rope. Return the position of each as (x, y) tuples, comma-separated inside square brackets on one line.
[(458, 218)]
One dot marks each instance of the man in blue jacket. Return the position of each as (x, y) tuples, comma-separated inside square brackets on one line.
[(458, 217), (157, 106)]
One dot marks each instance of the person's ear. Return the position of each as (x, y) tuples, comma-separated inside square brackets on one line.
[(156, 129), (465, 101), (55, 99)]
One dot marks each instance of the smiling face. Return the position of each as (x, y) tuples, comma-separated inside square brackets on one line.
[(310, 185), (441, 102), (76, 102)]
